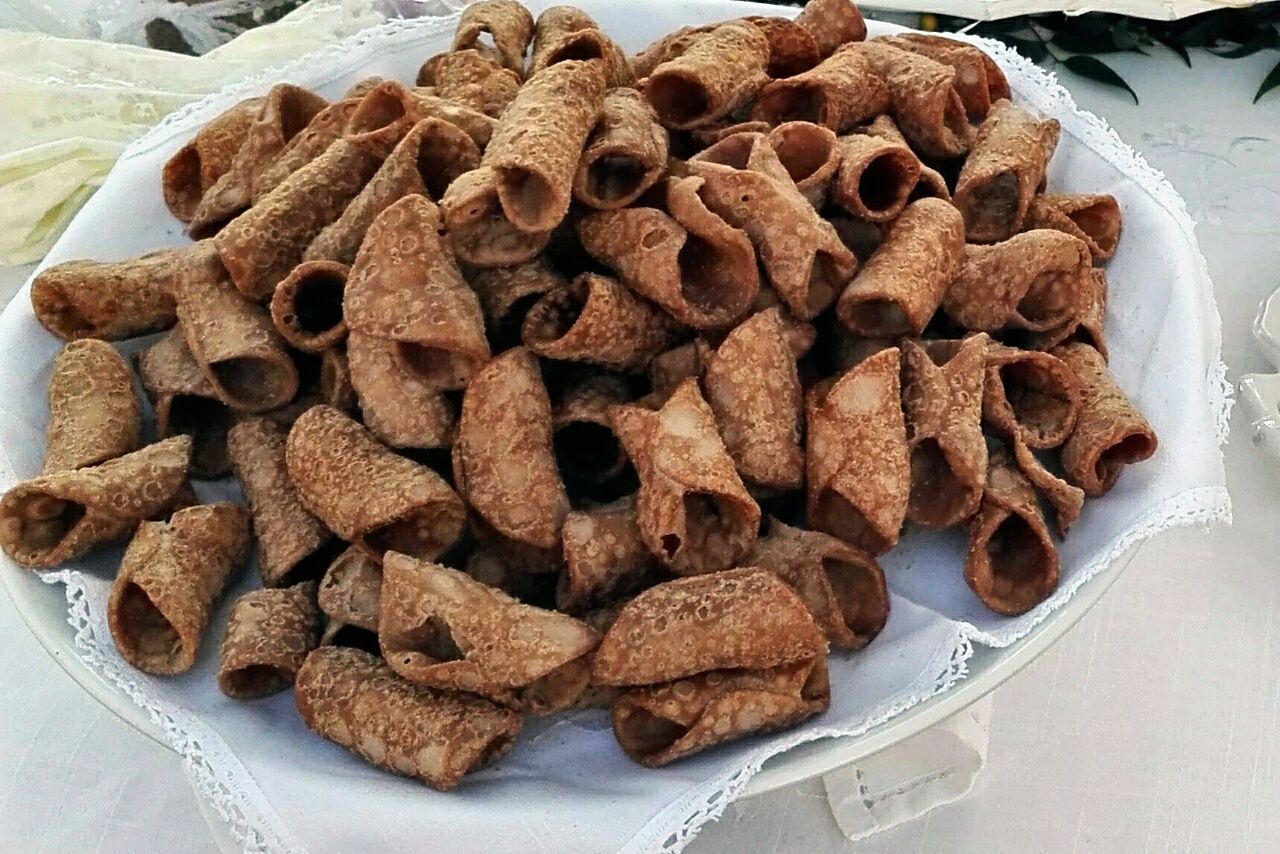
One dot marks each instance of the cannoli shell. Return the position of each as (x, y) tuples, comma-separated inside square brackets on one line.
[(61, 515), (567, 32), (586, 449), (1092, 217), (536, 147), (1037, 280), (94, 413), (507, 293), (738, 619), (1088, 327), (900, 287), (183, 401), (832, 23), (390, 109), (754, 390), (657, 724), (843, 587), (508, 24), (355, 700), (694, 512), (429, 157), (335, 380), (626, 154), (597, 319), (470, 78), (1004, 171), (792, 47), (922, 99), (1110, 432), (198, 165), (503, 461), (1012, 564), (668, 370), (839, 93), (479, 231), (667, 48), (306, 308), (268, 636), (442, 628), (325, 128), (876, 177), (109, 300), (285, 111), (811, 156), (406, 287), (292, 544), (170, 577), (930, 184), (397, 406), (232, 340), (1066, 499), (605, 557), (943, 407), (1032, 394), (719, 73), (366, 494), (859, 475), (351, 590), (979, 81)]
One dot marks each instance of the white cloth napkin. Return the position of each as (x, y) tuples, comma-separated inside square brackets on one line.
[(903, 782), (566, 784)]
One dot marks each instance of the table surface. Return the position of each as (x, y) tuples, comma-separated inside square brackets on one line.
[(1153, 726)]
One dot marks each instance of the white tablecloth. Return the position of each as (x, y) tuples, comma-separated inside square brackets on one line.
[(1154, 725)]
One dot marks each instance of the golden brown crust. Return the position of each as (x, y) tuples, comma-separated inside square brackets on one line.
[(718, 73), (405, 287), (1110, 432), (367, 495), (1088, 327), (843, 587), (1004, 171), (930, 184), (353, 699), (292, 544), (900, 287), (1031, 394), (507, 23), (470, 78), (171, 576), (839, 93), (325, 128), (232, 340), (1036, 280), (268, 636), (596, 319), (503, 461), (691, 262), (754, 390), (183, 401), (694, 512), (351, 590), (625, 155), (94, 413), (832, 23), (922, 99), (943, 406), (979, 81), (811, 156), (859, 477), (306, 308), (1092, 217), (1012, 564), (741, 618), (567, 32), (57, 516), (605, 557), (507, 293), (388, 110), (479, 231), (587, 452), (397, 405), (110, 300), (876, 178), (198, 165), (442, 628)]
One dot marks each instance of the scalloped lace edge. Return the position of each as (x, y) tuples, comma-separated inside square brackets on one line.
[(220, 778)]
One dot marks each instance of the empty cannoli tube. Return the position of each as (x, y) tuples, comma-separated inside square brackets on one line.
[(110, 300), (694, 512), (626, 154), (355, 700), (1066, 499), (1012, 564), (324, 129), (587, 452), (365, 493), (840, 92), (1087, 326), (566, 32), (397, 405), (842, 586), (720, 72), (811, 156), (1110, 433), (792, 48), (351, 589), (61, 515), (922, 99), (292, 544), (1092, 217), (307, 306), (390, 109), (900, 287), (507, 293), (859, 474), (479, 232), (1032, 394), (94, 413), (605, 558), (438, 626), (198, 165), (183, 401), (979, 81), (930, 184), (832, 23), (1004, 171), (171, 576), (268, 636), (508, 25), (470, 78)]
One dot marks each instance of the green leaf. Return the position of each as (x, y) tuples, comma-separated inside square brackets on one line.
[(1271, 81), (1085, 42), (1176, 48), (1100, 72), (1261, 41)]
